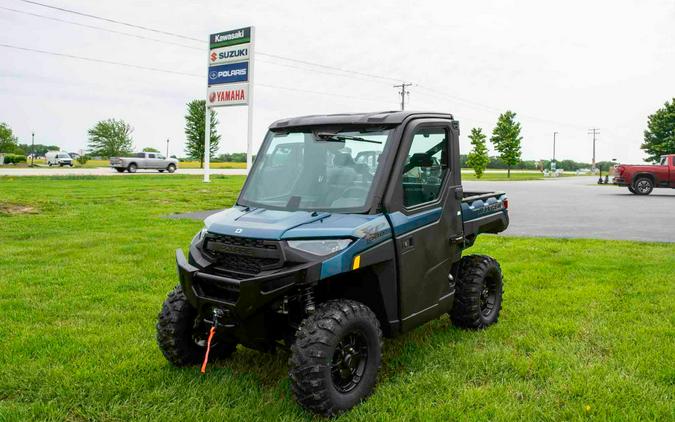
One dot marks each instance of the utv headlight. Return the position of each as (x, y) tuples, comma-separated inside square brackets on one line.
[(199, 236), (320, 247)]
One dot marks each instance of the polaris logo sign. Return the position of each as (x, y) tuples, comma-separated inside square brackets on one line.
[(228, 73), (232, 54)]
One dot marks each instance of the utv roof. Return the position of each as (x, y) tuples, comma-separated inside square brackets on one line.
[(381, 117)]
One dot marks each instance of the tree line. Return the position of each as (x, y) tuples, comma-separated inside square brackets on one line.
[(113, 137)]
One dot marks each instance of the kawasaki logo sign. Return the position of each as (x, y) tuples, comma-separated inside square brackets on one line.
[(223, 39)]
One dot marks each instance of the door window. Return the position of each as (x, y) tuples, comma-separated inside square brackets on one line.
[(151, 155), (426, 166)]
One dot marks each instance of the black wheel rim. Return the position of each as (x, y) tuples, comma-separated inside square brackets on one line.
[(643, 186), (488, 295), (349, 362)]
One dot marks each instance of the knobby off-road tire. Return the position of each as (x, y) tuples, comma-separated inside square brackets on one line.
[(181, 338), (336, 356), (478, 292), (643, 186)]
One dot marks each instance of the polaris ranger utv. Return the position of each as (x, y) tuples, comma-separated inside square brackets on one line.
[(348, 227)]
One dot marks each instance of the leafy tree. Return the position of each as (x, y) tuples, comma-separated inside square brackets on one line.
[(150, 149), (8, 142), (506, 139), (478, 157), (82, 159), (194, 131), (40, 149), (110, 138), (659, 138)]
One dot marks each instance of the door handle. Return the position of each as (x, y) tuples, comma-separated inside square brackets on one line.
[(408, 243)]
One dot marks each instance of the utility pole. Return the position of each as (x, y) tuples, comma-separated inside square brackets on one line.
[(554, 135), (403, 92), (32, 149), (593, 131), (167, 147)]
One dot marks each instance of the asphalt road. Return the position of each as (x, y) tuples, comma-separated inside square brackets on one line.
[(101, 171), (576, 207)]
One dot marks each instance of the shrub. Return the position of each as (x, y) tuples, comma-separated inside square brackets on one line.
[(82, 159), (14, 158)]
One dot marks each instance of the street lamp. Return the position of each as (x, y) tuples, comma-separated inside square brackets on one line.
[(32, 149), (167, 147), (553, 166)]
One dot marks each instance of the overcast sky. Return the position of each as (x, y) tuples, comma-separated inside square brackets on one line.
[(562, 66)]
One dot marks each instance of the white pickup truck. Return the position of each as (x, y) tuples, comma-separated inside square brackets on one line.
[(144, 160)]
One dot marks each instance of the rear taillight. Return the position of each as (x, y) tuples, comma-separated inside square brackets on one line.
[(620, 169), (505, 202)]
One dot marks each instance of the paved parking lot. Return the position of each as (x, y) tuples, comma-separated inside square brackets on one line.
[(577, 207)]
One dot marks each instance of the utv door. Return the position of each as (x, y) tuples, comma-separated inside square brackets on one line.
[(423, 204)]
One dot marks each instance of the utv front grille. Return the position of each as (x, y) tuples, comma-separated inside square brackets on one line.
[(241, 257)]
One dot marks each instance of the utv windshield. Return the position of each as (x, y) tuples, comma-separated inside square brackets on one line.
[(323, 169)]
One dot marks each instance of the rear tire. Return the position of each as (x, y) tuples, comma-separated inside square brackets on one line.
[(120, 169), (478, 294), (132, 168), (161, 170), (182, 337), (630, 188), (171, 168), (336, 356), (643, 186)]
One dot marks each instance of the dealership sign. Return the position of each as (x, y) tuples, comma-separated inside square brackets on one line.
[(230, 59), (229, 81)]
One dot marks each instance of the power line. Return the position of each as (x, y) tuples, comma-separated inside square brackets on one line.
[(128, 34), (131, 25), (403, 92), (173, 34), (91, 59), (194, 75), (99, 28)]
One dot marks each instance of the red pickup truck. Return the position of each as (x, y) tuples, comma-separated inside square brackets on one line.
[(642, 179)]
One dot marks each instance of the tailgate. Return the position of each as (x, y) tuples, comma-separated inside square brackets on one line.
[(484, 212)]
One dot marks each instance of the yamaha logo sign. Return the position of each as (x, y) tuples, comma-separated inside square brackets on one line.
[(228, 95)]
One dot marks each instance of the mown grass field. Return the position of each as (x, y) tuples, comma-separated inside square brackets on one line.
[(587, 329)]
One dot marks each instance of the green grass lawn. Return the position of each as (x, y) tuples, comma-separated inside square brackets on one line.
[(587, 329)]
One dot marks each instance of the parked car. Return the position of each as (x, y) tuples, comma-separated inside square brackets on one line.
[(58, 158), (144, 160), (323, 258), (642, 179)]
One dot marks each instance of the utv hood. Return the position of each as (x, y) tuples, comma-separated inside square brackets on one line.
[(262, 223)]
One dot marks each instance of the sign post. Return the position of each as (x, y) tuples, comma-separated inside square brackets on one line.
[(229, 82)]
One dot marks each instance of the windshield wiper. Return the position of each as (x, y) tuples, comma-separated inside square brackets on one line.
[(334, 137)]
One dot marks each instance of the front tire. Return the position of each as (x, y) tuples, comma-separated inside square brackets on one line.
[(181, 335), (132, 168), (335, 357), (478, 294), (643, 186), (171, 168)]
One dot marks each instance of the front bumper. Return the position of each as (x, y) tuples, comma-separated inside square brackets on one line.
[(242, 298)]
